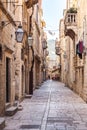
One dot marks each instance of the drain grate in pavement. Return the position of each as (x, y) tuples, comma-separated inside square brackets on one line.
[(30, 126), (60, 119)]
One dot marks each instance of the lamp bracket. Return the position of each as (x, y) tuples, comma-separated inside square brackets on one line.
[(5, 23)]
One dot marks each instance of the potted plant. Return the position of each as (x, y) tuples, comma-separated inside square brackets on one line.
[(72, 10)]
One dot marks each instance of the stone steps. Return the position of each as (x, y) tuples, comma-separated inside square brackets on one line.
[(2, 123), (16, 103), (11, 111), (28, 96), (7, 105)]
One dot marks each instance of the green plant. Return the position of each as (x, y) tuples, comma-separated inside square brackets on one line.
[(72, 10)]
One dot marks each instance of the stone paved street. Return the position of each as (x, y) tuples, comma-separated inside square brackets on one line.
[(52, 107)]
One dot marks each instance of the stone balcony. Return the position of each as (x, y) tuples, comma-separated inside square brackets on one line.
[(78, 62), (75, 61), (57, 50), (71, 19), (70, 24)]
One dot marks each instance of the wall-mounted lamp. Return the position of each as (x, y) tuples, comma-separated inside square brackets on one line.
[(57, 50), (19, 34), (44, 44), (59, 66), (47, 53), (30, 41)]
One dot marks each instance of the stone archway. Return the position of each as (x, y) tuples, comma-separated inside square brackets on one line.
[(72, 35)]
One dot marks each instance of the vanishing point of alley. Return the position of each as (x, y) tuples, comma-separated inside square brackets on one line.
[(52, 107)]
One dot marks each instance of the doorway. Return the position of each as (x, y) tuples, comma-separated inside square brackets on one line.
[(22, 80), (8, 79)]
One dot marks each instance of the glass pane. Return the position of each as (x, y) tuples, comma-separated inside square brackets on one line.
[(19, 37)]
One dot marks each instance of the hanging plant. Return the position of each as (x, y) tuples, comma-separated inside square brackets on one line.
[(72, 10)]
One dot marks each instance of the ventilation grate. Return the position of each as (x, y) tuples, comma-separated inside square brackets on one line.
[(30, 126)]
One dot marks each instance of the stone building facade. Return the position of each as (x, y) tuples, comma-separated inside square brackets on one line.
[(16, 58), (7, 42), (37, 45), (74, 22)]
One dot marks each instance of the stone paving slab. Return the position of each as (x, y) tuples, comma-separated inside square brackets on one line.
[(52, 107), (2, 123)]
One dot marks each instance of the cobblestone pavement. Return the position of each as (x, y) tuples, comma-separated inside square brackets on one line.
[(52, 107)]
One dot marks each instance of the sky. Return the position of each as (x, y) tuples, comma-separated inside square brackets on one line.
[(52, 13)]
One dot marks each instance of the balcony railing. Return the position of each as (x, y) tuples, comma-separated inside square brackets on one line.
[(75, 61), (78, 62), (71, 19)]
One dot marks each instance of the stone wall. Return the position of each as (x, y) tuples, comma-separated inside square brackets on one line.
[(7, 41)]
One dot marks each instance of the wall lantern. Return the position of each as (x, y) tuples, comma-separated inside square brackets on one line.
[(19, 34), (44, 44), (57, 50), (30, 41), (59, 66), (47, 53)]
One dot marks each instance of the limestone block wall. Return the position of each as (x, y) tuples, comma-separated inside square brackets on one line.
[(37, 45), (81, 66), (7, 41), (82, 71), (18, 75), (2, 87)]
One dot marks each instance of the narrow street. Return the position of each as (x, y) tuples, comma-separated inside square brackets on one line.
[(43, 65), (52, 107)]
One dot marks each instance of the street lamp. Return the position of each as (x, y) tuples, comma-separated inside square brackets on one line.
[(44, 44), (19, 34), (30, 41), (57, 47)]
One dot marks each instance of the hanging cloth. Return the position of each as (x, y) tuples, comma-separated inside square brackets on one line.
[(80, 47), (77, 49)]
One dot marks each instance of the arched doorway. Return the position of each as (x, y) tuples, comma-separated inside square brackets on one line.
[(71, 52)]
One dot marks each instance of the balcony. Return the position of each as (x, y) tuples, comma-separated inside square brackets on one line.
[(78, 62), (75, 61), (71, 19), (70, 25), (57, 50)]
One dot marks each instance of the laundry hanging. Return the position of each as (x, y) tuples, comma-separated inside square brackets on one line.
[(79, 49)]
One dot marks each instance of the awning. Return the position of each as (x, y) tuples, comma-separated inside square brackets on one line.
[(30, 3)]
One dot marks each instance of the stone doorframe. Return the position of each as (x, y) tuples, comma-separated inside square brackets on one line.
[(9, 75)]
